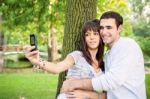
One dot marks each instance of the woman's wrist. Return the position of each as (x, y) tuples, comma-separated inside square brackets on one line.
[(40, 64)]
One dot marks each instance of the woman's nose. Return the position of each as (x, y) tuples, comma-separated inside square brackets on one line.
[(92, 36)]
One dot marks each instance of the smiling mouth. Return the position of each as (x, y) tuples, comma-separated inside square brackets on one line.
[(92, 42)]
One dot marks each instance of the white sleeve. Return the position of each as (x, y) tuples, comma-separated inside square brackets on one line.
[(75, 55), (123, 64)]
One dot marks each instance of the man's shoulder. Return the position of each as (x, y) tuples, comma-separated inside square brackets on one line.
[(128, 41), (124, 44)]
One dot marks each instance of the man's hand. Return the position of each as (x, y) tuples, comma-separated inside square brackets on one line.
[(83, 94), (70, 85), (79, 94)]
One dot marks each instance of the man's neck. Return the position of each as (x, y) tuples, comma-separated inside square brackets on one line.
[(111, 44)]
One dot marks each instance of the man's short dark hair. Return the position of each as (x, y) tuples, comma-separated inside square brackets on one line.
[(111, 14)]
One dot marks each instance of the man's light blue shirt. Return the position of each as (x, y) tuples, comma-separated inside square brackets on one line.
[(124, 76)]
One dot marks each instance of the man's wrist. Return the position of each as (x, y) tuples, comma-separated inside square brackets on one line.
[(86, 84)]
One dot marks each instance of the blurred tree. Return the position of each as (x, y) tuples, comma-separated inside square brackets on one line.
[(1, 46), (141, 24), (56, 10), (77, 12), (34, 16), (24, 17)]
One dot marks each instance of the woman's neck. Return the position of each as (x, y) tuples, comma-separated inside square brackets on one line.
[(94, 60), (93, 53)]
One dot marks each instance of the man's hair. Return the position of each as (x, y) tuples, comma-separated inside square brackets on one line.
[(94, 26), (111, 14)]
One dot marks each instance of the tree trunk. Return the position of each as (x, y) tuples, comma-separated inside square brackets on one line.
[(52, 45), (1, 51), (77, 12), (1, 47)]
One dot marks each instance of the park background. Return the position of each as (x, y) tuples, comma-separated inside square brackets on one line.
[(57, 25)]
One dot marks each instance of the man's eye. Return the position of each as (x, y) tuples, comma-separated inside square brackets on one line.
[(109, 27)]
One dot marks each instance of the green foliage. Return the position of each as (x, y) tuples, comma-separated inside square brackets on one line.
[(57, 14), (137, 6), (141, 25), (142, 28), (142, 32), (31, 16), (145, 45), (25, 17)]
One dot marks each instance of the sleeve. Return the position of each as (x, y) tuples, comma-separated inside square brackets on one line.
[(75, 55), (123, 64)]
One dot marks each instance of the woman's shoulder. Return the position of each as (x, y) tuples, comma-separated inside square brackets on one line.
[(76, 52)]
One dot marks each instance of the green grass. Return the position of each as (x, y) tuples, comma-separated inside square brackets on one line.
[(30, 86), (148, 86), (35, 86)]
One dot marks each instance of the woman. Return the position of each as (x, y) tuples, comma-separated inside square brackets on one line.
[(86, 63)]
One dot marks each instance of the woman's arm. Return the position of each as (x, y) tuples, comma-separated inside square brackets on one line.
[(58, 67), (83, 94), (34, 58)]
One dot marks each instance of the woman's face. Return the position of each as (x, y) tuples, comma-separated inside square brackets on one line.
[(92, 39)]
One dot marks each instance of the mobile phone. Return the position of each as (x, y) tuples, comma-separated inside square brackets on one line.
[(33, 41)]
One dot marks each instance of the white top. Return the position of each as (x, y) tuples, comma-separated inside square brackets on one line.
[(81, 68), (124, 76)]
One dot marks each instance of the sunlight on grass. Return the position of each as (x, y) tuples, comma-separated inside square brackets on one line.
[(29, 86), (35, 86)]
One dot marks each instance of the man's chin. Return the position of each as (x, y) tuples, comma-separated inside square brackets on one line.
[(105, 42)]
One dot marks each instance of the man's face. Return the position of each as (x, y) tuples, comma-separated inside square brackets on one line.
[(109, 31)]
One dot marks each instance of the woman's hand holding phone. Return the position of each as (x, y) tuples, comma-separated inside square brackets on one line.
[(32, 55), (31, 52)]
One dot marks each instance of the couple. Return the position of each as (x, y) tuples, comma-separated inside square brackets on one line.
[(124, 76)]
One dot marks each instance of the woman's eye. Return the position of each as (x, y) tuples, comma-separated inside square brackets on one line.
[(86, 34), (96, 33)]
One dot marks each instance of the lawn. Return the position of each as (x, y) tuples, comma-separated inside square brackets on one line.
[(35, 86), (148, 86), (29, 86)]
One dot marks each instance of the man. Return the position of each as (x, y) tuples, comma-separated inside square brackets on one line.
[(124, 76)]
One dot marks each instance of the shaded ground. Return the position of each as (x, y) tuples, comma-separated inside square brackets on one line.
[(24, 70)]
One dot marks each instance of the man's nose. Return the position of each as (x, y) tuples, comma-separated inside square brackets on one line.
[(103, 31)]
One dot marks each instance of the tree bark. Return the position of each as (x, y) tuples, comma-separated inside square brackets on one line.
[(77, 12)]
